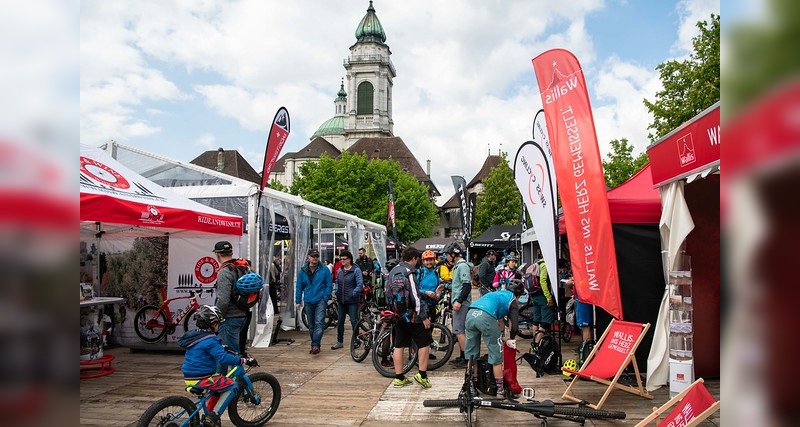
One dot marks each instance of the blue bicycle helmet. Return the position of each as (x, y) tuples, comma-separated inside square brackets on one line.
[(250, 282)]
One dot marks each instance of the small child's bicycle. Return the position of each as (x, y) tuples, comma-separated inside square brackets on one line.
[(255, 402)]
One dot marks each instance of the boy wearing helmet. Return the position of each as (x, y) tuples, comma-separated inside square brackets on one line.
[(204, 352), (485, 321)]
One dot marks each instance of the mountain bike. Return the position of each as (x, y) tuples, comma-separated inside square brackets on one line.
[(468, 401), (331, 314), (367, 331), (441, 347), (383, 349), (152, 323), (256, 401)]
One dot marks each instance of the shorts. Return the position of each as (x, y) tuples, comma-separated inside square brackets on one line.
[(481, 325), (542, 313), (406, 332), (459, 317), (583, 314)]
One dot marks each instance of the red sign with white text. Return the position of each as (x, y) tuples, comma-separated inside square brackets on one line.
[(579, 173), (689, 149)]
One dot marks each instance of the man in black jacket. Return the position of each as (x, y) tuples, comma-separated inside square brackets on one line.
[(365, 264), (486, 271)]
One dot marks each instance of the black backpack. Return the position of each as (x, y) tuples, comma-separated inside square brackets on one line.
[(485, 382), (544, 358), (398, 294)]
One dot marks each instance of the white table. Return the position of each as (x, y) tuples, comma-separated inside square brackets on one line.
[(91, 344)]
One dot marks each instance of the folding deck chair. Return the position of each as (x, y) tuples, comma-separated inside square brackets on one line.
[(696, 404), (612, 354)]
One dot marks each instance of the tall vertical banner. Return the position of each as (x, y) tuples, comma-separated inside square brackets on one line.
[(532, 175), (579, 172), (277, 137), (392, 216), (460, 185)]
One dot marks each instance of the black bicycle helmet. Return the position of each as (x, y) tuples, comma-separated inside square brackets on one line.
[(516, 288), (206, 316), (452, 248)]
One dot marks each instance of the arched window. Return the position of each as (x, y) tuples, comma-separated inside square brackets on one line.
[(365, 99)]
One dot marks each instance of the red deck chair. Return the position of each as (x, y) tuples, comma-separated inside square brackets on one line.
[(612, 354), (696, 404)]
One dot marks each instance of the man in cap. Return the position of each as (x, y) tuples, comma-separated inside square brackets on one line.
[(314, 289), (234, 317), (486, 271)]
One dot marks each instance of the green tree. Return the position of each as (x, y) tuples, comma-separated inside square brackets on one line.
[(690, 86), (620, 164), (359, 186), (500, 202), (277, 185)]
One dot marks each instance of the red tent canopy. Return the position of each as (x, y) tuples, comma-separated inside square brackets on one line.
[(635, 201)]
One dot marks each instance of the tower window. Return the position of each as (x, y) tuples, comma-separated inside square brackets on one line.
[(365, 99)]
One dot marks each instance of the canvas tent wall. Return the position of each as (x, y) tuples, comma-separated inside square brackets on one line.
[(308, 222)]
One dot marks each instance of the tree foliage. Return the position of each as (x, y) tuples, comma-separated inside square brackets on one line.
[(277, 185), (690, 86), (359, 186), (500, 202), (621, 164)]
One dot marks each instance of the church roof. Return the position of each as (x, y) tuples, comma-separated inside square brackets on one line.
[(233, 164), (332, 126), (313, 150), (370, 30), (394, 148)]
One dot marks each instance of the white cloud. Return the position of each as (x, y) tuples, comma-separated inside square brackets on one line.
[(206, 141), (691, 12)]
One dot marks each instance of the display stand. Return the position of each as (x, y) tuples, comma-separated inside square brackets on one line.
[(275, 338), (681, 330)]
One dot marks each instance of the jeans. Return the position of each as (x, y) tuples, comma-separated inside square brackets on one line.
[(315, 313), (229, 334), (350, 309)]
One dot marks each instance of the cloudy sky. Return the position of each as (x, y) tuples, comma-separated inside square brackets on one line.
[(180, 77)]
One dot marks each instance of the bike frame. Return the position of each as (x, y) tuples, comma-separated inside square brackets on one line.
[(164, 307), (235, 373)]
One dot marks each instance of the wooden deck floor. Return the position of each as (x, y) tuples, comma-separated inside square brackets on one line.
[(331, 389)]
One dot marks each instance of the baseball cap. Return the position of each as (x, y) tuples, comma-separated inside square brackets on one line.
[(223, 246), (313, 253)]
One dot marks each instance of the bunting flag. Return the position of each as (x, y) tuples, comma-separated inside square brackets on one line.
[(580, 177), (460, 186), (532, 175), (277, 137)]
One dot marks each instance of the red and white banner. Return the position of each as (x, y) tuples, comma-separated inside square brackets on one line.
[(535, 182), (112, 193), (579, 171), (277, 137)]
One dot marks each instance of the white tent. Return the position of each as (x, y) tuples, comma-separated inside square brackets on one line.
[(238, 196)]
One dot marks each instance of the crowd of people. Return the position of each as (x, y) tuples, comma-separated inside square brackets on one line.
[(491, 320)]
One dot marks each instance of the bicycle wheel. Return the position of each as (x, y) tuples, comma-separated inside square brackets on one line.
[(186, 320), (566, 332), (383, 355), (253, 408), (442, 346), (150, 324), (170, 411), (526, 327), (586, 412), (361, 341)]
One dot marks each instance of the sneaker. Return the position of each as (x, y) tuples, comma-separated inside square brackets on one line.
[(459, 364), (386, 363), (422, 381), (401, 383), (457, 360), (431, 357), (314, 350), (212, 420), (501, 393), (337, 346)]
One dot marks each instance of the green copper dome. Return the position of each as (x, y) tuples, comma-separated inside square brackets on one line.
[(332, 126), (342, 94), (370, 28)]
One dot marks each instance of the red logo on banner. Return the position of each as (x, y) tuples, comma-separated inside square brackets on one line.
[(205, 270), (104, 174), (686, 150)]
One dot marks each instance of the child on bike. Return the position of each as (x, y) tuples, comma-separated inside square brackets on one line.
[(204, 351)]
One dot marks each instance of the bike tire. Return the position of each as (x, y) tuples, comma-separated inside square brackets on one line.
[(383, 355), (586, 412), (150, 314), (441, 403), (442, 346), (361, 341), (567, 332), (186, 320), (245, 412), (171, 410)]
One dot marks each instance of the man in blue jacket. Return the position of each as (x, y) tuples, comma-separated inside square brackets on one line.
[(349, 286), (314, 287)]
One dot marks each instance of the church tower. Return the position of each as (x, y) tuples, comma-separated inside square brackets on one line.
[(370, 75)]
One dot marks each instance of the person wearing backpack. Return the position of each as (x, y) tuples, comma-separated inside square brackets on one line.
[(461, 298), (414, 324), (542, 303), (233, 315), (349, 285)]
